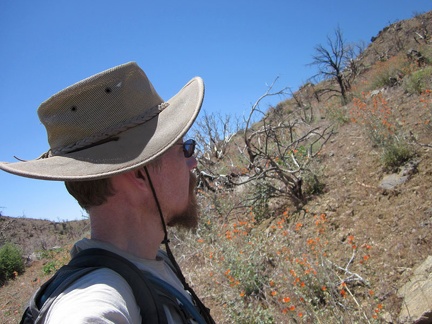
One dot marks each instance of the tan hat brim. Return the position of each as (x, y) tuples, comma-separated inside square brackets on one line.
[(134, 147)]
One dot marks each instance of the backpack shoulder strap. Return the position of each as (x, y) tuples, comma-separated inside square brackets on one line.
[(164, 256), (145, 295), (49, 291), (189, 307), (154, 288), (89, 260), (185, 304)]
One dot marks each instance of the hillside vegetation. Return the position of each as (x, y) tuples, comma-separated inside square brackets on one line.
[(317, 211)]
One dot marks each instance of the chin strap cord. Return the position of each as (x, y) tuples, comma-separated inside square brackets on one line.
[(205, 312)]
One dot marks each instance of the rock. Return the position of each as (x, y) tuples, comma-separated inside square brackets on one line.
[(417, 295), (28, 261), (392, 180), (387, 318), (416, 56), (376, 92)]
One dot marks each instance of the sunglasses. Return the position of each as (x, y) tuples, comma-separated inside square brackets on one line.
[(188, 148)]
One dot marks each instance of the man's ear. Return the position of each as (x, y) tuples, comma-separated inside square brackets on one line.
[(136, 179), (140, 174)]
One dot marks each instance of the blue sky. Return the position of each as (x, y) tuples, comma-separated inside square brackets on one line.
[(238, 47)]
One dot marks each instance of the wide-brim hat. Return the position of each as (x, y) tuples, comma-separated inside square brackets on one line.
[(108, 124)]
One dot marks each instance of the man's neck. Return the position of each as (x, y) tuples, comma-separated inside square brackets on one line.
[(132, 232)]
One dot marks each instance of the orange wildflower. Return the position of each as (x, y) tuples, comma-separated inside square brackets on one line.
[(298, 226), (286, 299)]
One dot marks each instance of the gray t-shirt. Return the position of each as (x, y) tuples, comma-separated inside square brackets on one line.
[(103, 296)]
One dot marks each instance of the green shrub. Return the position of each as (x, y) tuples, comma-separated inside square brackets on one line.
[(312, 184), (385, 79), (389, 72), (50, 267), (337, 114), (395, 155), (418, 81), (55, 258), (261, 195), (11, 262)]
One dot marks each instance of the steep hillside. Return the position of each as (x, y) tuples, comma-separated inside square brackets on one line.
[(364, 236), (38, 234)]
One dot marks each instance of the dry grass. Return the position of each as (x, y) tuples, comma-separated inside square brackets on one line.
[(290, 267)]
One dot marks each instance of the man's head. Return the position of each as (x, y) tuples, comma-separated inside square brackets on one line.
[(112, 124)]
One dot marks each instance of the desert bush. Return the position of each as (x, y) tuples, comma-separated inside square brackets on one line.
[(426, 101), (260, 195), (272, 151), (279, 150), (276, 272), (11, 262), (55, 259), (389, 72), (50, 267), (418, 81), (337, 114), (302, 103), (382, 129), (396, 154), (313, 185), (213, 133)]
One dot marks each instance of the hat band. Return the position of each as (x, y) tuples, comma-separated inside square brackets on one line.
[(104, 136)]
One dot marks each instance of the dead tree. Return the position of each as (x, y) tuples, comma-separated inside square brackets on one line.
[(213, 132), (335, 60), (280, 150)]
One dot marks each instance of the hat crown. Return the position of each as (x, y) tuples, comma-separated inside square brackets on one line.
[(98, 105)]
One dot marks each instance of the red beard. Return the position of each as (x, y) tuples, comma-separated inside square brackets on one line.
[(189, 218)]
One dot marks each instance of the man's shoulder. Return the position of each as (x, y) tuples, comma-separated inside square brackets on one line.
[(100, 277), (101, 284), (99, 292)]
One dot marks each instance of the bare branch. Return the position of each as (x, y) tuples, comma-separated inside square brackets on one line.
[(336, 61)]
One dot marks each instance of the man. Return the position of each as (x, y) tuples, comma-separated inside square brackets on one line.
[(120, 150)]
